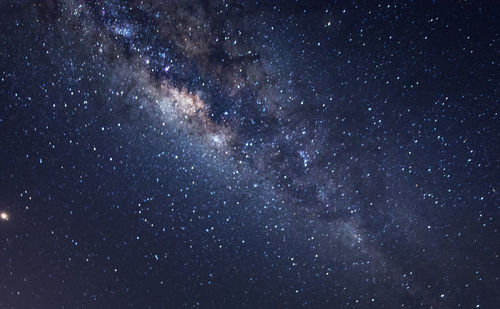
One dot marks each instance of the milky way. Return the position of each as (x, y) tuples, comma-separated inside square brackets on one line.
[(162, 154)]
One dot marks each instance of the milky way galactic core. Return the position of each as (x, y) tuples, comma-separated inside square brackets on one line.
[(260, 154)]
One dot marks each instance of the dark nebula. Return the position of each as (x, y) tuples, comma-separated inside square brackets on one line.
[(259, 154)]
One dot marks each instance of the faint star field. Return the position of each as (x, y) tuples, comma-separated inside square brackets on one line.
[(265, 154)]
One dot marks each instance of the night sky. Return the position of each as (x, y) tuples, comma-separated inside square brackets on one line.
[(257, 154)]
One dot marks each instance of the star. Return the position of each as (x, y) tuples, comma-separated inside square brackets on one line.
[(4, 216)]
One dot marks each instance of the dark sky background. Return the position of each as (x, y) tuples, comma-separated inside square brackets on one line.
[(226, 154)]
